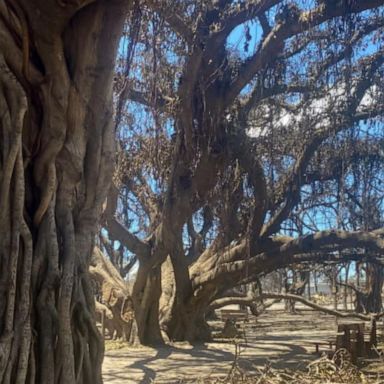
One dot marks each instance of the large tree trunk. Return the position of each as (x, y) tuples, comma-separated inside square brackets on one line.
[(369, 300), (56, 156), (186, 321), (300, 280), (375, 280), (146, 295), (189, 325), (182, 312)]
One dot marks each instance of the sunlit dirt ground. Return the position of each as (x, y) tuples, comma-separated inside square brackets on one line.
[(285, 340)]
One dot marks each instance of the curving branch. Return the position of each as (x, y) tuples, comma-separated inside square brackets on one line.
[(273, 44), (317, 247), (294, 180), (241, 13), (261, 92), (175, 20), (139, 247)]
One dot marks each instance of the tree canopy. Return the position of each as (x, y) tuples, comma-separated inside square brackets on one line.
[(238, 122)]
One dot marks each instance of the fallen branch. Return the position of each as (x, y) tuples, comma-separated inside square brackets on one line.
[(254, 300), (333, 312)]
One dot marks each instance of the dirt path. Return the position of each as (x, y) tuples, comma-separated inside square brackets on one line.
[(285, 340)]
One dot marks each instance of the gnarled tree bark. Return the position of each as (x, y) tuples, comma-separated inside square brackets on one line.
[(115, 298), (56, 156)]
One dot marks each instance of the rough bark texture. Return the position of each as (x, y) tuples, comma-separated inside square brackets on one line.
[(368, 299), (375, 280), (113, 297), (56, 157)]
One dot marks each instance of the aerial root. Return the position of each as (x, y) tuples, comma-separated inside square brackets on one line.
[(48, 191)]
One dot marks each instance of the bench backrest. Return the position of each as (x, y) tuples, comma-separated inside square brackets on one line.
[(239, 314)]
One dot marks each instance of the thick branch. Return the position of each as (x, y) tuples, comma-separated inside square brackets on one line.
[(292, 183), (128, 239), (175, 21), (315, 247), (273, 45)]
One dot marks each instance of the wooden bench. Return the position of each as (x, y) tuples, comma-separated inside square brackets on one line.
[(354, 337), (234, 314), (328, 342), (357, 339)]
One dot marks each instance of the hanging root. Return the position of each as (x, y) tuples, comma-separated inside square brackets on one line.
[(48, 191), (24, 36), (15, 244)]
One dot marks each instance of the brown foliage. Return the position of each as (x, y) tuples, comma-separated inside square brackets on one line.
[(222, 147)]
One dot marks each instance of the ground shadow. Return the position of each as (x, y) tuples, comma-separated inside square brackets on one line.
[(280, 340)]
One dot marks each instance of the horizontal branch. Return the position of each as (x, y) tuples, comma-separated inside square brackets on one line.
[(236, 300), (145, 100), (332, 312), (254, 300), (319, 247)]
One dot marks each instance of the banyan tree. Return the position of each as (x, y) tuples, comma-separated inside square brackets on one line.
[(204, 173), (235, 117)]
